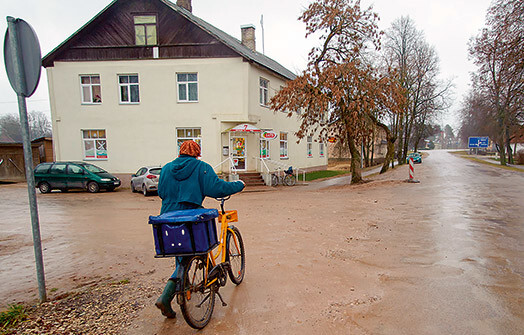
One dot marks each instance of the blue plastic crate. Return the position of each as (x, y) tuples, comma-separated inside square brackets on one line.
[(184, 232)]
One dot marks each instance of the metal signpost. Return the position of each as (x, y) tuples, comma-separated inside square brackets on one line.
[(23, 63), (478, 142)]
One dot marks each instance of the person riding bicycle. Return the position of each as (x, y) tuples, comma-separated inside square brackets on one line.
[(184, 183)]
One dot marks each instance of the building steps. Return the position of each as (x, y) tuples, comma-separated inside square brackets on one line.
[(252, 178)]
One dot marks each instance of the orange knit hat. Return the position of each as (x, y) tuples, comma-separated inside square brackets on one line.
[(190, 148)]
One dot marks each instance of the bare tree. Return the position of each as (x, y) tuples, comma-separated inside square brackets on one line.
[(498, 52), (418, 69), (39, 125), (477, 117)]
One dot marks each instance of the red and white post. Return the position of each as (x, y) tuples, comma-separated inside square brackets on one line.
[(412, 171)]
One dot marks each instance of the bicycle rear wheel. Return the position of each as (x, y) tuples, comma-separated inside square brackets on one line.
[(196, 301), (274, 180), (290, 180), (235, 255)]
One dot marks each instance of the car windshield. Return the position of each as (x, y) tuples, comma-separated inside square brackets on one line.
[(155, 171), (92, 168)]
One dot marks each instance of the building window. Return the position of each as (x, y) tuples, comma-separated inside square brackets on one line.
[(184, 134), (264, 148), (264, 95), (283, 145), (145, 30), (321, 149), (129, 89), (91, 89), (187, 87), (310, 146), (95, 144)]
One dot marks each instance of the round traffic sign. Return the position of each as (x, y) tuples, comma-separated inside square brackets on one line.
[(22, 57)]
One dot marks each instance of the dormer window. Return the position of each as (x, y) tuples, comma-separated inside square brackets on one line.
[(145, 30)]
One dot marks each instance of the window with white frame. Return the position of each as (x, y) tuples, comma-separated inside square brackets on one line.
[(187, 87), (264, 91), (91, 89), (145, 29), (129, 88), (310, 146), (283, 145), (184, 134), (321, 149), (95, 144)]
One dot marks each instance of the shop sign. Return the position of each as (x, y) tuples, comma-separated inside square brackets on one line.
[(269, 135)]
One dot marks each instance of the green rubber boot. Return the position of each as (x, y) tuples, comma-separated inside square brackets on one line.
[(164, 301)]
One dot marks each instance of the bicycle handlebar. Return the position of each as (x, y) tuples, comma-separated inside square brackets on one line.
[(222, 200)]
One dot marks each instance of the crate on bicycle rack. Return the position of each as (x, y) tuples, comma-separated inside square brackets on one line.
[(184, 232)]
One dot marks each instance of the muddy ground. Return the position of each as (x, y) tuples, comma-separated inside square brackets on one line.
[(384, 257)]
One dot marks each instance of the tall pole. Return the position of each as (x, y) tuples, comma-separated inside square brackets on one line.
[(28, 156)]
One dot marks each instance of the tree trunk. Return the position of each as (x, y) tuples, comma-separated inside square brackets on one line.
[(508, 146), (502, 151), (390, 137), (372, 146), (356, 173)]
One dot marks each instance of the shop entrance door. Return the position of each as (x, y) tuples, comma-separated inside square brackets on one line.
[(238, 152)]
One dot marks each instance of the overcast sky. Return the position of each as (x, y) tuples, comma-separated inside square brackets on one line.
[(447, 24)]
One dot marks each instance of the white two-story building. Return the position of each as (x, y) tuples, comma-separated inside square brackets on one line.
[(143, 76)]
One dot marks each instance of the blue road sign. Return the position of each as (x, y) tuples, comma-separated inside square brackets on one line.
[(478, 142)]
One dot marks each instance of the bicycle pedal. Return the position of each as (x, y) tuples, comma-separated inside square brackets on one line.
[(223, 302)]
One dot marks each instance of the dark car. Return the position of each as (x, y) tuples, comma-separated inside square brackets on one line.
[(73, 175), (417, 158)]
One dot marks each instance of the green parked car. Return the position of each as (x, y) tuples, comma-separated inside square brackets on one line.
[(73, 175)]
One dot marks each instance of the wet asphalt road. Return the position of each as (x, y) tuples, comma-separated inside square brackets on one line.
[(450, 258), (462, 267)]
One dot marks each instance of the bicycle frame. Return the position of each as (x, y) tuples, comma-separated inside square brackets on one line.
[(220, 251)]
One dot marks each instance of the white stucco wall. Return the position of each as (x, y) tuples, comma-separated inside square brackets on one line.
[(145, 133)]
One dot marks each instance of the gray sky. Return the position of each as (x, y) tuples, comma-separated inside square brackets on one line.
[(448, 25)]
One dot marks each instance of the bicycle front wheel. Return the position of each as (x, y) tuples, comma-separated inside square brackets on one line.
[(235, 255), (196, 301), (289, 180)]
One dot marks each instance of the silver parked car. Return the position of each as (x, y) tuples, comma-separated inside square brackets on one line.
[(145, 180)]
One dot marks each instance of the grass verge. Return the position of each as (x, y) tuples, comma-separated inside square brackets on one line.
[(465, 155), (13, 316), (323, 174)]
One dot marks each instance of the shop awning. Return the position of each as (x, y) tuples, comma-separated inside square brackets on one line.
[(244, 127)]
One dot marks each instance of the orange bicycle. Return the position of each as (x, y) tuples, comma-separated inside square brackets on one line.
[(208, 259), (205, 274)]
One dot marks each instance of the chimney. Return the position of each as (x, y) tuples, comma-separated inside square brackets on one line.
[(248, 36), (186, 4)]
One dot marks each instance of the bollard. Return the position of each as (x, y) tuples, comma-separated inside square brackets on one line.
[(412, 172), (411, 168)]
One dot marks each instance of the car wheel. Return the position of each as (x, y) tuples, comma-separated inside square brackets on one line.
[(44, 187), (110, 189), (133, 188), (144, 190), (93, 187)]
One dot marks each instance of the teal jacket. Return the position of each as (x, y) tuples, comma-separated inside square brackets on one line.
[(186, 181)]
